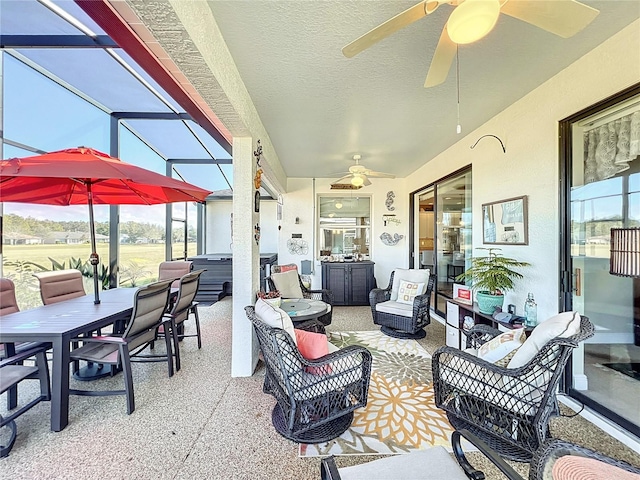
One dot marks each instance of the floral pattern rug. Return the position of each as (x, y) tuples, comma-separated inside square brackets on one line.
[(400, 415)]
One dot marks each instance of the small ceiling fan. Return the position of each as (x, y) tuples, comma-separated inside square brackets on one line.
[(473, 19), (358, 174)]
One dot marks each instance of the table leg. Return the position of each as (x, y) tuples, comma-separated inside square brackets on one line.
[(12, 395), (60, 384)]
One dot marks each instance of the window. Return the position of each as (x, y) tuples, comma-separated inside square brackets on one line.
[(344, 225)]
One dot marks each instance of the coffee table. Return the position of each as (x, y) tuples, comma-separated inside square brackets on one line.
[(301, 309)]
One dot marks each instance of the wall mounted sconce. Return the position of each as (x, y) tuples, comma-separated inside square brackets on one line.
[(297, 220)]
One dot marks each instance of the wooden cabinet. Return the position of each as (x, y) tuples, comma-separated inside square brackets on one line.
[(350, 282), (461, 317)]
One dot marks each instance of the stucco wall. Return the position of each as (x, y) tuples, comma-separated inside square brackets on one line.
[(529, 130)]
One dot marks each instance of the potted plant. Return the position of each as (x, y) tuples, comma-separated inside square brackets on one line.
[(272, 297), (491, 277)]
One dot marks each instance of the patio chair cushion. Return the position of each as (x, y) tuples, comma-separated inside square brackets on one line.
[(499, 347), (407, 291), (274, 317), (419, 464), (311, 345), (575, 467), (563, 325), (395, 308), (288, 284), (417, 276)]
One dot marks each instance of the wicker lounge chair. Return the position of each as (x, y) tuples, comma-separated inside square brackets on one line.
[(508, 408), (315, 398), (402, 320), (322, 294)]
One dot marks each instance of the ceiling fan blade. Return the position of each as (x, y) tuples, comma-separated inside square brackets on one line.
[(342, 180), (441, 61), (379, 174), (564, 18), (366, 181), (392, 25)]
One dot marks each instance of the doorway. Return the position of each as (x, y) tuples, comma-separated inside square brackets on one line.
[(601, 170), (441, 239)]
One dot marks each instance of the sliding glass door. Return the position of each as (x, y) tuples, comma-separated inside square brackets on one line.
[(602, 166), (442, 232)]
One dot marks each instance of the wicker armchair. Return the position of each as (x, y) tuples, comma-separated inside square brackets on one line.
[(508, 408), (401, 320), (322, 294), (315, 398), (553, 449)]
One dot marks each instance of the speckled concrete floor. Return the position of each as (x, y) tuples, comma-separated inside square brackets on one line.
[(201, 423)]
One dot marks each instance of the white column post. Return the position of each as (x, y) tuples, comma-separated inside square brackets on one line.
[(246, 258)]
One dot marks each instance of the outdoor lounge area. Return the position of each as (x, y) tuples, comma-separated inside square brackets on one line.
[(278, 246), (216, 426)]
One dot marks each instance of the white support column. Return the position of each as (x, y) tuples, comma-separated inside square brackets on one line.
[(246, 258)]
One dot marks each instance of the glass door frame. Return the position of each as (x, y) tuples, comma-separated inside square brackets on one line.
[(566, 278), (414, 261)]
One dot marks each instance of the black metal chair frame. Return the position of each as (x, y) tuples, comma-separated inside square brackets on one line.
[(135, 338), (179, 312), (508, 408), (323, 294), (315, 399), (20, 373), (400, 326)]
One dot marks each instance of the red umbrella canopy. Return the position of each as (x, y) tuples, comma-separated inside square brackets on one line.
[(61, 178)]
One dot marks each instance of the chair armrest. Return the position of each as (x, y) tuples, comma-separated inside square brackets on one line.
[(22, 355), (322, 294), (329, 469), (379, 295), (492, 455), (480, 334), (101, 339)]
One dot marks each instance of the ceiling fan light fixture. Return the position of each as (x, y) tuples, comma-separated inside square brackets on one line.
[(338, 205), (357, 180), (472, 20)]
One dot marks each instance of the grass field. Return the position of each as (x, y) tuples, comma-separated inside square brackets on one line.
[(138, 264)]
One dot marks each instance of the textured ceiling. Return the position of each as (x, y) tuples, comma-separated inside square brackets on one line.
[(320, 108)]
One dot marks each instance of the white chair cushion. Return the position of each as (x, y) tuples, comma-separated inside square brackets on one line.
[(395, 308), (287, 284), (416, 276), (425, 464), (407, 291), (563, 325), (274, 317)]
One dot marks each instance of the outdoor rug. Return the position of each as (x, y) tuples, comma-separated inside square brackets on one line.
[(400, 415)]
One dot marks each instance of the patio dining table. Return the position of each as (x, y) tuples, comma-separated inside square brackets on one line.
[(57, 324)]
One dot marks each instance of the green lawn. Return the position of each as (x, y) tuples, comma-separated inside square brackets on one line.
[(137, 262)]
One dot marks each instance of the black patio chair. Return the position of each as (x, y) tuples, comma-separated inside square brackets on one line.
[(315, 399), (507, 408), (12, 372), (150, 304)]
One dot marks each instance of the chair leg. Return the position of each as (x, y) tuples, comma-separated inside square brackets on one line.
[(167, 342), (176, 344), (128, 378), (197, 317)]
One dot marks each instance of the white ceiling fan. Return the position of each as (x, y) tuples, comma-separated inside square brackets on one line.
[(358, 174), (473, 19)]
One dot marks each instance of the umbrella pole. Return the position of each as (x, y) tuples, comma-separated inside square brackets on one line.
[(94, 259)]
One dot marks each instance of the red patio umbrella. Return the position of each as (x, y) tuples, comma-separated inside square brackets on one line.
[(82, 175)]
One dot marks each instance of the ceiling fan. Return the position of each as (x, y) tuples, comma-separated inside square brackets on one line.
[(473, 19), (358, 174)]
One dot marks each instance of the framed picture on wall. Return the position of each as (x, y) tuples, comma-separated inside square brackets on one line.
[(505, 222)]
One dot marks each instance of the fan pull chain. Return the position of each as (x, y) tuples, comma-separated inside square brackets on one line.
[(458, 127)]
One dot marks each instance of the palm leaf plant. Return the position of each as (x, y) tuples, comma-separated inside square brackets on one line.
[(492, 276)]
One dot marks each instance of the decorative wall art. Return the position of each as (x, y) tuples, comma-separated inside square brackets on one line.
[(257, 180), (389, 240), (389, 201), (505, 222), (390, 218), (256, 233), (297, 246)]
